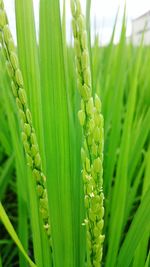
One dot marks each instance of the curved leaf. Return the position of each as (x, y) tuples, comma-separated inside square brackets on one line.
[(5, 220), (138, 228)]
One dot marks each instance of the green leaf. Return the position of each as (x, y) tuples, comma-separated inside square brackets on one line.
[(121, 185), (138, 228), (5, 220), (56, 133)]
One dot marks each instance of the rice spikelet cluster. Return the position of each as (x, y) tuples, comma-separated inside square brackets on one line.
[(91, 120), (28, 133)]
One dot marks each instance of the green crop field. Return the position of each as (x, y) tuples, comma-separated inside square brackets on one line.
[(74, 143)]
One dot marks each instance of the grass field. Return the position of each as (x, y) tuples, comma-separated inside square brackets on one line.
[(120, 77)]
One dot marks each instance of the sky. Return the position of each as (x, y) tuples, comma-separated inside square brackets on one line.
[(103, 13)]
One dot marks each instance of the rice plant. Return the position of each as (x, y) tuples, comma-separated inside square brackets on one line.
[(78, 113)]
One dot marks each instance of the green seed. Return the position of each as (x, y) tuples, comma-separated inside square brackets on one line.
[(3, 19), (43, 177), (96, 231), (22, 115), (101, 212), (92, 215), (85, 92), (77, 48), (100, 224), (90, 106), (24, 137), (94, 149), (90, 139), (89, 189), (22, 96), (97, 134), (37, 160), (14, 89), (97, 119), (84, 60), (19, 78), (40, 190), (87, 164), (84, 40), (29, 116), (97, 103), (86, 201), (34, 150), (81, 23), (43, 203), (18, 102), (11, 45), (33, 139), (7, 33), (81, 116), (27, 129), (14, 60), (97, 165), (44, 213), (29, 161), (9, 69), (37, 175), (91, 125), (87, 77), (78, 65), (26, 147)]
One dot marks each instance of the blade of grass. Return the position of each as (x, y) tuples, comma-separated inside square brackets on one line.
[(141, 251), (75, 137), (5, 220), (140, 140), (56, 131), (120, 187), (138, 228)]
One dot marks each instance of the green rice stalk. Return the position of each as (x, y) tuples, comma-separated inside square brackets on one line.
[(91, 120), (28, 133)]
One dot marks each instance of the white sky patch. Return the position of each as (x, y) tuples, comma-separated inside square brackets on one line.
[(103, 13)]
